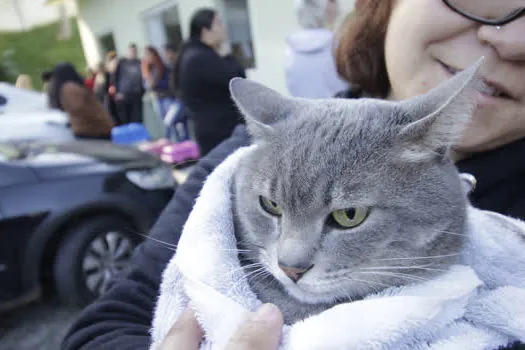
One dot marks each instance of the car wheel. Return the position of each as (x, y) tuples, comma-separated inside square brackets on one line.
[(91, 254)]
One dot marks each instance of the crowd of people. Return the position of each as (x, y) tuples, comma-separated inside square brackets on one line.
[(186, 83)]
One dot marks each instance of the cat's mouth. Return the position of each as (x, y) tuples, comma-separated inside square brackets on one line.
[(303, 288)]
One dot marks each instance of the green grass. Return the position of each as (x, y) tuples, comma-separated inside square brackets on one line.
[(37, 50)]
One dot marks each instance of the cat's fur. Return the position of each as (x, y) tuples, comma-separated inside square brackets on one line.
[(315, 157)]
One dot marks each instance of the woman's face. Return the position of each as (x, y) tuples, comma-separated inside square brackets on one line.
[(148, 56), (427, 42), (218, 31)]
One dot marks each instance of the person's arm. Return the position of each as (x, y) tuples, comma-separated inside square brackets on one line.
[(121, 318), (116, 77)]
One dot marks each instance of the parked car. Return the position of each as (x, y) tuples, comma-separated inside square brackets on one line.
[(25, 115), (73, 211)]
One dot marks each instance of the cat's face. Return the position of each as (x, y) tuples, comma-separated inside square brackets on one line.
[(344, 198)]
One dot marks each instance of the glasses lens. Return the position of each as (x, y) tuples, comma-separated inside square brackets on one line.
[(491, 10)]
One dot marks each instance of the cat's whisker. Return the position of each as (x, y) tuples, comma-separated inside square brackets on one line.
[(420, 257), (344, 291), (244, 267), (422, 267), (452, 233), (166, 244), (262, 278), (236, 250), (368, 281), (246, 276), (394, 274), (253, 275)]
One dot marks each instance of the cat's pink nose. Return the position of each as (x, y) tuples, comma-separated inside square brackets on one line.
[(294, 273)]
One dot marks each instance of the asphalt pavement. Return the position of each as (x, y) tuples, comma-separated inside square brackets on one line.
[(40, 325)]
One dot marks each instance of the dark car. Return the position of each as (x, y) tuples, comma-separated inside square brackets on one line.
[(72, 213)]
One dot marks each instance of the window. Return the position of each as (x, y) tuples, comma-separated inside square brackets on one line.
[(170, 20), (107, 42), (163, 25), (237, 20)]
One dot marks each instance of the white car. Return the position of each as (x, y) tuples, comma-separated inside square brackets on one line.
[(25, 115)]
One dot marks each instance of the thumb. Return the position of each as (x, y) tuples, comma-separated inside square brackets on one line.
[(261, 331)]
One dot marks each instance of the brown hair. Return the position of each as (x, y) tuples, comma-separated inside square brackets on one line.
[(360, 55), (157, 64)]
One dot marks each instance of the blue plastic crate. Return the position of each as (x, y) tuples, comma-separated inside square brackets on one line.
[(129, 134)]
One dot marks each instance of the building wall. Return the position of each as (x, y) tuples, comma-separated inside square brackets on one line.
[(32, 13), (271, 21)]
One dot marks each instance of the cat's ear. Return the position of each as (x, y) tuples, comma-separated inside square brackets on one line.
[(261, 106), (444, 113)]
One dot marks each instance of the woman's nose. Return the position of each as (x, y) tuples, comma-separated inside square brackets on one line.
[(508, 40)]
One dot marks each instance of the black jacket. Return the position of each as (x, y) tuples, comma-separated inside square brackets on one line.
[(203, 79), (501, 179), (121, 318), (128, 78)]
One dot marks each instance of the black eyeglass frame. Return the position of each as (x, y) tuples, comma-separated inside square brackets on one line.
[(491, 22)]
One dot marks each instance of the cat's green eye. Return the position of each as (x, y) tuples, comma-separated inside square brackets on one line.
[(349, 218), (270, 206)]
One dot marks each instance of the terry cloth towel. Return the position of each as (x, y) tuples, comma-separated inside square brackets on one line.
[(477, 305)]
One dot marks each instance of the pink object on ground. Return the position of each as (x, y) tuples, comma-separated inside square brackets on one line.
[(155, 147), (180, 152)]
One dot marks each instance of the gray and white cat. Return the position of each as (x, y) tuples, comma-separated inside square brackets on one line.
[(344, 198)]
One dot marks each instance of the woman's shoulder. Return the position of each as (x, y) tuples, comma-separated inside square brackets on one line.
[(73, 94), (499, 174)]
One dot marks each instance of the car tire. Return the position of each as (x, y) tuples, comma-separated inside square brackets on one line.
[(91, 254)]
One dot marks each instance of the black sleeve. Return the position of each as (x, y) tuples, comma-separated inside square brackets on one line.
[(121, 318)]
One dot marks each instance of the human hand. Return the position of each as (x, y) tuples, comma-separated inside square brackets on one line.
[(260, 331), (119, 96)]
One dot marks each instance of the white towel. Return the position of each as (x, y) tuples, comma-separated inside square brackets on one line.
[(478, 305)]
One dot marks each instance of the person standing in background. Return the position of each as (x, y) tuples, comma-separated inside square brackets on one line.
[(87, 116), (89, 80), (110, 63), (171, 52), (177, 123), (203, 77), (156, 78), (310, 64), (24, 81), (46, 77), (128, 88), (101, 85)]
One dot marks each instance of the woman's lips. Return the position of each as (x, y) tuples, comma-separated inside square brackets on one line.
[(487, 88)]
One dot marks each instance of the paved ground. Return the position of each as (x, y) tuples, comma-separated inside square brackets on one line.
[(40, 325)]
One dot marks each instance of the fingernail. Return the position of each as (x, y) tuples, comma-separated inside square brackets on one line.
[(267, 313)]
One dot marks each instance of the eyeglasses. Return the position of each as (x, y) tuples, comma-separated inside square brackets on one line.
[(489, 12)]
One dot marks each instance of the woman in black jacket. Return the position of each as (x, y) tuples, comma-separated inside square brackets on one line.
[(390, 49), (202, 77)]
